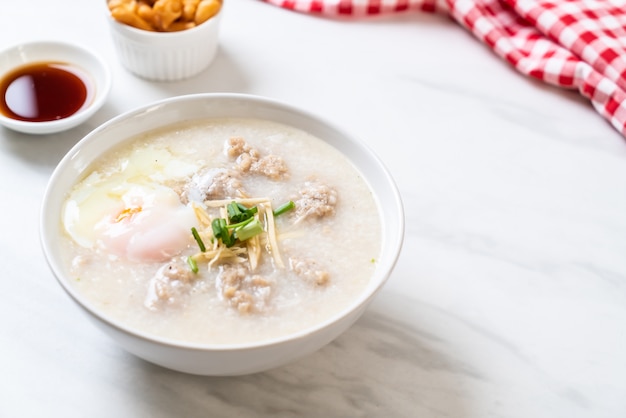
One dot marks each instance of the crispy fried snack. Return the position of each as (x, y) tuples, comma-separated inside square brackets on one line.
[(163, 15), (166, 12), (189, 9), (206, 9), (124, 11)]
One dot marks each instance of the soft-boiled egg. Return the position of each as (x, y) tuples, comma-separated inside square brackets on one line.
[(129, 214)]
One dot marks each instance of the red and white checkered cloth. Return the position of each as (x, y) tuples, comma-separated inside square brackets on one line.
[(574, 44)]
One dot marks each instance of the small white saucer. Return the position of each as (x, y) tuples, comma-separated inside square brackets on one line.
[(88, 62)]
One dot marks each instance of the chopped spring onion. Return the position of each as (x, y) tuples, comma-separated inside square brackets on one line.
[(196, 236), (240, 231), (220, 231), (239, 224), (192, 264), (249, 230), (239, 213), (218, 225), (285, 207)]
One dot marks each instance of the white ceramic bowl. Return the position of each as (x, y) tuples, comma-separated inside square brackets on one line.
[(221, 359), (166, 56), (90, 65)]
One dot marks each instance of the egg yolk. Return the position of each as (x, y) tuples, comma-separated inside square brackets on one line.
[(140, 222), (127, 211)]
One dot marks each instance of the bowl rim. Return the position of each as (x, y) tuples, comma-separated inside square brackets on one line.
[(100, 75), (46, 230)]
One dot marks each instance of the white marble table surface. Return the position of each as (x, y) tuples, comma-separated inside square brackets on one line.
[(508, 300)]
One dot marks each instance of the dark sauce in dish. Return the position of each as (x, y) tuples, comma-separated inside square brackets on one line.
[(43, 91)]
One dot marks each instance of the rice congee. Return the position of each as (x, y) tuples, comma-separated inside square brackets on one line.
[(221, 231)]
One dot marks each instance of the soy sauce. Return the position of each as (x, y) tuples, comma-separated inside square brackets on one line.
[(43, 91)]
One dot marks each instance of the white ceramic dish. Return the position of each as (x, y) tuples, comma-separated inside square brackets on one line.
[(95, 70), (222, 359), (166, 56)]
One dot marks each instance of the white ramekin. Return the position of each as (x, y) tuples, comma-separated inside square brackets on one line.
[(166, 56)]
